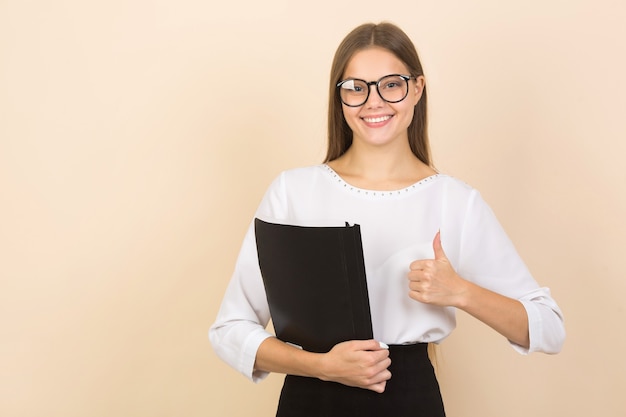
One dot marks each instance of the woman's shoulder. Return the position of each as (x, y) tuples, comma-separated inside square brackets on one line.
[(450, 183), (461, 194), (454, 182), (299, 178), (457, 191), (302, 173), (287, 186), (305, 170)]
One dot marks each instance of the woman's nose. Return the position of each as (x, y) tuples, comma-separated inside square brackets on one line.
[(374, 98)]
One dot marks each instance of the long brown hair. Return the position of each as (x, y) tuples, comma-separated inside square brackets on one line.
[(392, 38)]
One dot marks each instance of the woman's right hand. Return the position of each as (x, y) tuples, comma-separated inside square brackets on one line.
[(357, 363)]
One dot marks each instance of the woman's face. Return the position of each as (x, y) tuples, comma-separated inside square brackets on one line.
[(377, 122)]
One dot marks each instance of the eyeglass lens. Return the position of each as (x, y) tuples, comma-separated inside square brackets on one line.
[(392, 88)]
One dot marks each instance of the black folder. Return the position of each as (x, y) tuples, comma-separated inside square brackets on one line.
[(315, 283)]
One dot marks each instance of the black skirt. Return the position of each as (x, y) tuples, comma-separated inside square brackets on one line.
[(412, 391)]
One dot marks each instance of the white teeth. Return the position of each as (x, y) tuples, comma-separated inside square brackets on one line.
[(376, 119)]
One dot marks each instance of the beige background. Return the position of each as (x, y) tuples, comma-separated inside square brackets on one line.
[(137, 137)]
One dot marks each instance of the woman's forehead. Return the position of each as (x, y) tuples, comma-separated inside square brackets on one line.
[(372, 63)]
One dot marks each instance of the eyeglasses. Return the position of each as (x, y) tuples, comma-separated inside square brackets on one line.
[(391, 88)]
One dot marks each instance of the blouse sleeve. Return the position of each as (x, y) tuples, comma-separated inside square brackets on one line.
[(239, 328), (488, 258)]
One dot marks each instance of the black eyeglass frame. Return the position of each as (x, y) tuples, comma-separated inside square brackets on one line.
[(406, 78)]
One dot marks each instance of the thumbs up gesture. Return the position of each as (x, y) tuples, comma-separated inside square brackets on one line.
[(434, 281)]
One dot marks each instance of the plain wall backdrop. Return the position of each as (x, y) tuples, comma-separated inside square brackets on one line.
[(137, 138)]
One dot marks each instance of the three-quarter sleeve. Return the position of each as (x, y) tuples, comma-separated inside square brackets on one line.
[(239, 328), (488, 258)]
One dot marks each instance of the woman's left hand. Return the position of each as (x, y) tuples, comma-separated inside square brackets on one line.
[(434, 281)]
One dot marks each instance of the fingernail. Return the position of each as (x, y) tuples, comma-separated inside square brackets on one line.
[(383, 345)]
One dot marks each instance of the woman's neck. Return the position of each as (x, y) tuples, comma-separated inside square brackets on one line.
[(380, 170)]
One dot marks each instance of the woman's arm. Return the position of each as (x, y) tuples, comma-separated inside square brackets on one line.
[(434, 281), (357, 363)]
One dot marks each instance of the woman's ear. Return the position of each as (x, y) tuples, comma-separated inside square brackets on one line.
[(420, 82)]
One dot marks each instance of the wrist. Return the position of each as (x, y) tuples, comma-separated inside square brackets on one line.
[(465, 294), (320, 367)]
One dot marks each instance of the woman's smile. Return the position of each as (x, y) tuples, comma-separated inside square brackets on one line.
[(376, 121)]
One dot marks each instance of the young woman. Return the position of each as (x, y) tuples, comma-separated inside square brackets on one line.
[(431, 245)]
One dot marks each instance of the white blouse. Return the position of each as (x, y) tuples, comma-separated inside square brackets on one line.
[(397, 227)]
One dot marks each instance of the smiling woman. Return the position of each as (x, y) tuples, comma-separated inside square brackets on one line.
[(383, 116), (137, 138), (379, 121), (430, 244)]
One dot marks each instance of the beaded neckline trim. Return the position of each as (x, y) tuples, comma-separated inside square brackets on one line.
[(377, 193)]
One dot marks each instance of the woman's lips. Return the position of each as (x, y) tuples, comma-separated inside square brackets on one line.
[(376, 119)]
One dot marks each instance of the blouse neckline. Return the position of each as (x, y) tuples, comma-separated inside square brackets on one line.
[(337, 179)]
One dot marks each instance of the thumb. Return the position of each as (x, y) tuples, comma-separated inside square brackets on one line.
[(439, 253), (369, 345)]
